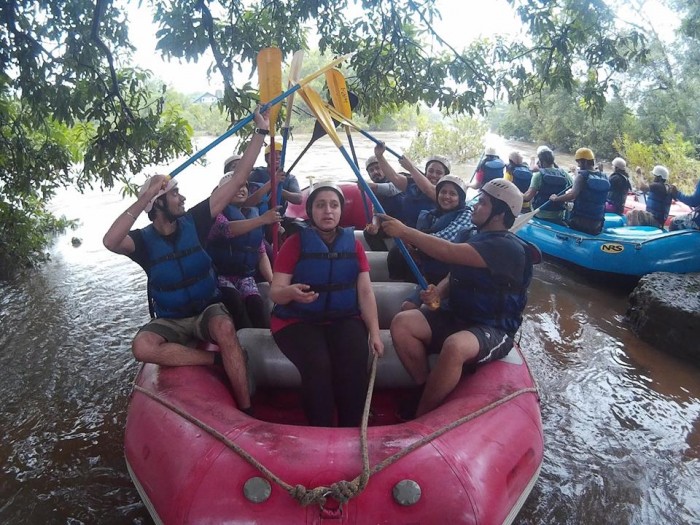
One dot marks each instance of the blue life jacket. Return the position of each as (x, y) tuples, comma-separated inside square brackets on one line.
[(237, 255), (493, 169), (590, 202), (391, 204), (181, 280), (659, 207), (414, 201), (477, 296), (554, 181), (522, 175), (331, 272)]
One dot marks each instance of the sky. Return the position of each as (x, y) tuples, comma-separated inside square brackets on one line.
[(458, 27)]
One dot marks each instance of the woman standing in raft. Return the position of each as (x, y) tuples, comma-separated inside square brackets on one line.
[(325, 311)]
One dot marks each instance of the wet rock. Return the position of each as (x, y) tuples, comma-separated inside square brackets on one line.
[(664, 311), (76, 241)]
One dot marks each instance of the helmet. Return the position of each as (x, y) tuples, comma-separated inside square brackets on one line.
[(505, 191), (232, 158), (515, 157), (316, 188), (619, 162), (278, 147), (228, 177), (442, 160), (490, 151), (370, 161), (144, 187), (660, 171), (457, 181), (542, 149), (584, 154)]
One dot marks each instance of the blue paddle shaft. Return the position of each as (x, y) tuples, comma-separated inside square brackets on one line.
[(377, 141), (279, 98), (402, 247)]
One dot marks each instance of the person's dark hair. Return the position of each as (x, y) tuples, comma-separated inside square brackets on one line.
[(586, 164), (499, 206), (546, 158), (229, 167), (159, 203)]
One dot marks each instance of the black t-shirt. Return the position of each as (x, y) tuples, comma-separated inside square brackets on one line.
[(619, 183), (203, 221), (503, 254)]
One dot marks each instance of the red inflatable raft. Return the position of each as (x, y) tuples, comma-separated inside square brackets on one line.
[(195, 458)]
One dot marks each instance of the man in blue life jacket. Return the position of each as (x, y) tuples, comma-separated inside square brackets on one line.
[(589, 193), (547, 180), (287, 185), (688, 221), (486, 290), (491, 167), (182, 287), (519, 173), (659, 195), (619, 187)]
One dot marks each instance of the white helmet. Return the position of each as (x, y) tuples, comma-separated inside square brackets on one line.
[(505, 191), (619, 162), (316, 188), (660, 171), (442, 160), (144, 187), (515, 157), (490, 151), (457, 181), (542, 149), (229, 160), (370, 161)]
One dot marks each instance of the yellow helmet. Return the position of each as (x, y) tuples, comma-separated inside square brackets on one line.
[(278, 147), (584, 154)]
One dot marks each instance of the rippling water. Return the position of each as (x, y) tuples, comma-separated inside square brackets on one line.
[(621, 420)]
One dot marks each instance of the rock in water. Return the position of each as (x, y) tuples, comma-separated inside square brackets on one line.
[(664, 311)]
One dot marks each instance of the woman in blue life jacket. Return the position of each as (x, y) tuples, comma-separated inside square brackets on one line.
[(325, 311), (447, 220), (659, 195), (619, 187), (520, 174), (589, 193), (236, 246), (548, 179), (418, 190)]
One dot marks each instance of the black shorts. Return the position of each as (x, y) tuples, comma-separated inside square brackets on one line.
[(493, 343)]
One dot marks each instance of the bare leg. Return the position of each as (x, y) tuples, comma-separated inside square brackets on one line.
[(457, 350), (150, 347), (223, 333), (411, 335)]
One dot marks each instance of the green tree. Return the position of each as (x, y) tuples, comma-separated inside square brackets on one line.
[(73, 111)]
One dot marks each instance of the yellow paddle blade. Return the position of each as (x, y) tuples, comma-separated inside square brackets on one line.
[(325, 68), (318, 108), (339, 92), (270, 78)]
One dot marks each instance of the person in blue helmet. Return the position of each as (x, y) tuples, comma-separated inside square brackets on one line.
[(589, 194), (481, 300), (182, 286), (325, 316)]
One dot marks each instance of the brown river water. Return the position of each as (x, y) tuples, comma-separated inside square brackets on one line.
[(621, 420)]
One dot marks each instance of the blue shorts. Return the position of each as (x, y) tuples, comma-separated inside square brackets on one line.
[(493, 343)]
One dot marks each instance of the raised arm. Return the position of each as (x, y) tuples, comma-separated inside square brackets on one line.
[(400, 181), (117, 238), (223, 195), (427, 187)]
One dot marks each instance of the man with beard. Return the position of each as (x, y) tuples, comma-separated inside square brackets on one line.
[(182, 286)]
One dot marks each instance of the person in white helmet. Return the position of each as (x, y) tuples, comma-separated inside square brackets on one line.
[(659, 196), (182, 287), (325, 316), (487, 290), (389, 196), (619, 187), (491, 167)]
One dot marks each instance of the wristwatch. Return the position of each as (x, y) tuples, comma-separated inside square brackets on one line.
[(261, 131)]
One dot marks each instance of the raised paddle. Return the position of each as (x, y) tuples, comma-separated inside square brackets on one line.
[(270, 78), (196, 156), (294, 71), (316, 105), (341, 100)]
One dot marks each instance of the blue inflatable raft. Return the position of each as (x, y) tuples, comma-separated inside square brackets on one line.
[(625, 250)]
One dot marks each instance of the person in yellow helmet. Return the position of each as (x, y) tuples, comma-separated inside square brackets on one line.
[(589, 193)]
